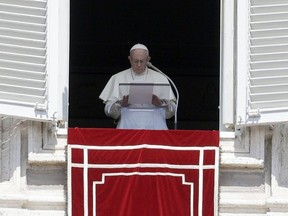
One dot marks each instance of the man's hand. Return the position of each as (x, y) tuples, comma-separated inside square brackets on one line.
[(156, 100), (124, 101)]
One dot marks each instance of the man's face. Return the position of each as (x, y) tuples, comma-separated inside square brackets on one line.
[(138, 59)]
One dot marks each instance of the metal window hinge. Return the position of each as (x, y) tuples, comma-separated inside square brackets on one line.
[(41, 107), (254, 113), (238, 133)]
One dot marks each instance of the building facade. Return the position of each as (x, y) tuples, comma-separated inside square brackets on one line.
[(34, 59)]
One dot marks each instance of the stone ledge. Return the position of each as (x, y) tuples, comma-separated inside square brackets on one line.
[(26, 212), (278, 204), (230, 160), (250, 202), (58, 158), (34, 200)]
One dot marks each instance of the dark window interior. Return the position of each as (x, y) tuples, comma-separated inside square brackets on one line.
[(183, 40)]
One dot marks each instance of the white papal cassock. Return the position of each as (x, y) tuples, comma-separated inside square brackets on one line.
[(138, 116)]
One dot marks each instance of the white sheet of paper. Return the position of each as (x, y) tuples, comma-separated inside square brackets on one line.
[(140, 93)]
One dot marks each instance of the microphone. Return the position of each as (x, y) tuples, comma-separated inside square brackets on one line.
[(149, 64)]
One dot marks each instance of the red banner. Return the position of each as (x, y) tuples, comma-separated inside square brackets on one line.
[(115, 172)]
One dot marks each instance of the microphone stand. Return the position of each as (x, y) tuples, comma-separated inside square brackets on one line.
[(149, 64)]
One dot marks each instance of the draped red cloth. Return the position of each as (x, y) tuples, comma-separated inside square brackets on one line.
[(117, 172)]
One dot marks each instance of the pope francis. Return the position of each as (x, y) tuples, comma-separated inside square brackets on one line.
[(147, 115)]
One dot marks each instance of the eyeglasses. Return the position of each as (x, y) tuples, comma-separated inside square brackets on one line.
[(136, 61)]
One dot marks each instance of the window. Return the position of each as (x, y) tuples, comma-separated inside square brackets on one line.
[(180, 45), (34, 50)]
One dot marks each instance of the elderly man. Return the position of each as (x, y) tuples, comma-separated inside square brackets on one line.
[(129, 116)]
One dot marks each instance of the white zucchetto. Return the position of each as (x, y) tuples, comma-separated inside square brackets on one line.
[(139, 46)]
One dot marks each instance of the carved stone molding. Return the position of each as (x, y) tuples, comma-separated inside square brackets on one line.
[(243, 149), (12, 131), (279, 177)]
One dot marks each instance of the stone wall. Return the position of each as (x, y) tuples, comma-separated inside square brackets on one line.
[(253, 170), (32, 169)]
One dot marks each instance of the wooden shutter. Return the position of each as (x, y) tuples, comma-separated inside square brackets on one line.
[(25, 78), (267, 63)]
